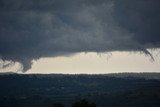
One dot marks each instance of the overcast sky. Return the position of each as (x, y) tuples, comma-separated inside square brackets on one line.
[(35, 32)]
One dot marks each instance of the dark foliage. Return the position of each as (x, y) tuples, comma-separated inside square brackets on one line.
[(83, 103), (57, 105)]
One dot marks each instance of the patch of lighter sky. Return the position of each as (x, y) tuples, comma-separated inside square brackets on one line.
[(93, 63)]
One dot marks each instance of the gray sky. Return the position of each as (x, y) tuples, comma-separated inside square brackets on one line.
[(31, 30)]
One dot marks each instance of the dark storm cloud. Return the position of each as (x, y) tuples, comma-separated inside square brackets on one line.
[(47, 28)]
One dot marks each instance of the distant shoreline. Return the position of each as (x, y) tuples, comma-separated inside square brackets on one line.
[(145, 75)]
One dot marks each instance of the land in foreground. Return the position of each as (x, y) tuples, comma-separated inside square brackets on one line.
[(57, 90)]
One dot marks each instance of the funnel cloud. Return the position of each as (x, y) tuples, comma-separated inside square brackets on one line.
[(48, 28)]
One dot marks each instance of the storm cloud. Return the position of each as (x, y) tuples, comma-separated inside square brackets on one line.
[(48, 28)]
